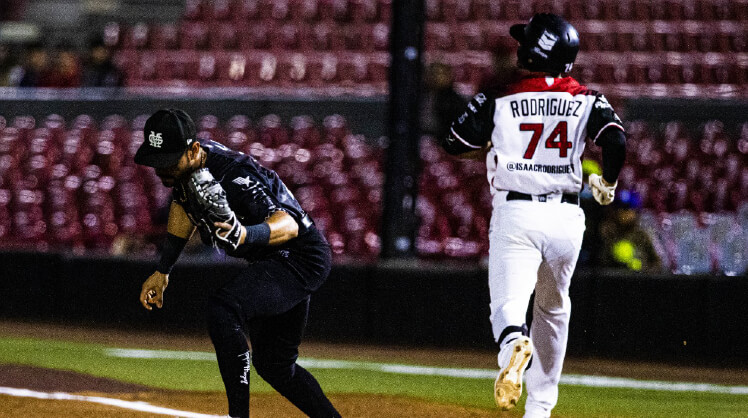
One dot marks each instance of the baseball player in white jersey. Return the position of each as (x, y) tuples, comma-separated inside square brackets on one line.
[(533, 129)]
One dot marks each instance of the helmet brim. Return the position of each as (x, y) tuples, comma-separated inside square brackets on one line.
[(518, 32)]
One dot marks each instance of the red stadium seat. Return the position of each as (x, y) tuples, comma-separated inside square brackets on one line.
[(674, 9), (138, 37), (194, 35), (363, 11), (194, 10), (486, 10), (220, 9), (285, 37), (439, 37), (224, 36), (385, 10), (456, 10), (112, 35), (165, 36), (303, 10), (468, 36), (336, 10), (353, 69)]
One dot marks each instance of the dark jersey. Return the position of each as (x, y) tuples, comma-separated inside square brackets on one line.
[(253, 193)]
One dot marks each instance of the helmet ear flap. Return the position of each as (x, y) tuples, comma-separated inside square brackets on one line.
[(523, 57)]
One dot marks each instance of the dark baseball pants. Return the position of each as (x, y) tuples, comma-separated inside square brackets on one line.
[(269, 301)]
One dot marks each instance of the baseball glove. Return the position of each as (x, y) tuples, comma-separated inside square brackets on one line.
[(210, 199)]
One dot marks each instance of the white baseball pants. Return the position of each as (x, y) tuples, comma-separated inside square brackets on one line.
[(535, 246)]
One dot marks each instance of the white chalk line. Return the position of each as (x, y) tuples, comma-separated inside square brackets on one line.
[(119, 403), (566, 379)]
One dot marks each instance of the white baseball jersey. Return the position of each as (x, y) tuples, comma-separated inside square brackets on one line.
[(537, 128)]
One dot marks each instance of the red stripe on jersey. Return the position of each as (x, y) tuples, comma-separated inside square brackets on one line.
[(536, 83)]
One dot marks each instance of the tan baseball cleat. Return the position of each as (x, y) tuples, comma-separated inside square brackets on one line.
[(508, 386)]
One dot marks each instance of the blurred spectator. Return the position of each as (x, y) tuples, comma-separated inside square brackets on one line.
[(624, 243), (441, 103), (9, 74), (66, 71), (36, 66), (99, 69)]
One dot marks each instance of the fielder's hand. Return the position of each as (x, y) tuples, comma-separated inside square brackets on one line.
[(602, 191), (231, 234), (153, 290)]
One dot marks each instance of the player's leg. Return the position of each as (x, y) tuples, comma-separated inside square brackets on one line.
[(232, 351), (513, 261), (262, 288), (514, 257), (551, 314), (275, 342)]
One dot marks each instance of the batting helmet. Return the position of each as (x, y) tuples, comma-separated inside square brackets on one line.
[(548, 43)]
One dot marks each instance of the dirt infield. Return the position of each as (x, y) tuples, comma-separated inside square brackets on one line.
[(262, 405)]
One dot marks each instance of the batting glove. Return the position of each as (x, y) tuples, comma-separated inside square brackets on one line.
[(602, 193)]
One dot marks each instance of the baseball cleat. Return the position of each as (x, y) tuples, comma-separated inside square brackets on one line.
[(508, 386)]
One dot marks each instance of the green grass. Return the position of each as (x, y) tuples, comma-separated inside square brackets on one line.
[(575, 401)]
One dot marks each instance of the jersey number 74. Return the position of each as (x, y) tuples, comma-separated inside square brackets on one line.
[(559, 131)]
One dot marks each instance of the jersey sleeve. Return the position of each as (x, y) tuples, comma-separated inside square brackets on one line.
[(249, 198), (601, 118), (472, 129)]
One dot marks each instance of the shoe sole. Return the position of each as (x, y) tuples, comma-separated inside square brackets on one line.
[(508, 386)]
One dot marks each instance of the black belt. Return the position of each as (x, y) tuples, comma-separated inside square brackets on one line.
[(565, 198)]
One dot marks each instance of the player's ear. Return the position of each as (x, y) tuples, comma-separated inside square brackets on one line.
[(193, 151)]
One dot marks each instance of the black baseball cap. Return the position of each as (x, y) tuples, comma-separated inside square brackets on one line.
[(167, 134)]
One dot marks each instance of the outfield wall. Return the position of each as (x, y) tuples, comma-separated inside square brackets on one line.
[(680, 319)]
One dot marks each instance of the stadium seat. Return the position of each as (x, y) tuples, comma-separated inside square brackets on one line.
[(137, 37), (220, 9), (165, 36), (363, 11), (733, 253), (224, 36), (363, 27), (693, 253), (194, 35), (85, 189), (246, 11), (333, 10)]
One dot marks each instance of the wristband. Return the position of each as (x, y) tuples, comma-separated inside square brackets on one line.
[(173, 246), (257, 234)]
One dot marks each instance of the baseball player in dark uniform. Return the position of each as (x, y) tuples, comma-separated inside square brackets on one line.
[(244, 209), (532, 131)]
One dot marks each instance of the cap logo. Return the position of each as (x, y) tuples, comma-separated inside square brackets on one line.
[(155, 139), (547, 41)]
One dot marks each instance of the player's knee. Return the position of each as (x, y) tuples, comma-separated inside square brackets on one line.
[(221, 318), (276, 374)]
